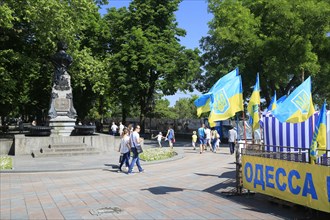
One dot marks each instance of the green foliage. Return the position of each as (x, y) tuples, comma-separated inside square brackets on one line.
[(282, 40), (6, 163), (154, 154), (146, 55), (185, 108), (163, 109), (28, 37), (120, 60)]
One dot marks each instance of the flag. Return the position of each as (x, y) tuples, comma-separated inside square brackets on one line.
[(274, 102), (253, 106), (226, 100), (280, 100), (319, 141), (298, 106), (203, 102)]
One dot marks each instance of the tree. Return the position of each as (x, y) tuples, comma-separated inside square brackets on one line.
[(146, 55), (163, 110), (28, 35), (285, 41), (185, 108)]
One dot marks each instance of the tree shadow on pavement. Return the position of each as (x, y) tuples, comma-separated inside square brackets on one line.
[(258, 202), (161, 190)]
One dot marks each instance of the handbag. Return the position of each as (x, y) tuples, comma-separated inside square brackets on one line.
[(139, 149), (173, 140)]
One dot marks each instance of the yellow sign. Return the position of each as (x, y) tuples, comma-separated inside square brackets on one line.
[(300, 183)]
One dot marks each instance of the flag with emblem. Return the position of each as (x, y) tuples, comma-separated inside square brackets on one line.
[(298, 106), (319, 141), (226, 100), (253, 106), (203, 102)]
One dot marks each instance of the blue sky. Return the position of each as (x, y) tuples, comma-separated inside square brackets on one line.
[(191, 16)]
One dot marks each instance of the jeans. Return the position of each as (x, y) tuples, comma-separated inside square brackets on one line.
[(136, 160), (214, 144), (232, 147), (125, 160)]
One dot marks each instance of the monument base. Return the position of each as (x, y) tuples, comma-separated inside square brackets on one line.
[(62, 126)]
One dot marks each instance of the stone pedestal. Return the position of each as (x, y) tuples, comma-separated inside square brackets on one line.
[(61, 126)]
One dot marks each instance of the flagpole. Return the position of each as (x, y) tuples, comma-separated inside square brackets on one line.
[(237, 127), (244, 126), (311, 160)]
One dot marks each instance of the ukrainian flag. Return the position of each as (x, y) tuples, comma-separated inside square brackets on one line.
[(226, 100), (298, 106), (203, 102), (253, 106), (319, 141), (274, 102)]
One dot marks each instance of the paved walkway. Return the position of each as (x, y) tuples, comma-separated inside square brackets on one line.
[(190, 186)]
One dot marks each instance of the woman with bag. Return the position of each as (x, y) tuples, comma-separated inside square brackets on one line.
[(136, 149), (170, 137), (124, 149)]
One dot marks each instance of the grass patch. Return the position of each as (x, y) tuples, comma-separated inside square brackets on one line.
[(153, 154), (6, 163)]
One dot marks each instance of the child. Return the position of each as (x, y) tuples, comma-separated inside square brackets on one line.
[(159, 137), (194, 140)]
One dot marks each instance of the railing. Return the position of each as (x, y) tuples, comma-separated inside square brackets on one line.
[(284, 153)]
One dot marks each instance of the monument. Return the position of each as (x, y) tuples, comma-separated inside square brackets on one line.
[(61, 112)]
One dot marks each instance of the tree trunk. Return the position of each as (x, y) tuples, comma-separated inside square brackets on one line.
[(124, 114)]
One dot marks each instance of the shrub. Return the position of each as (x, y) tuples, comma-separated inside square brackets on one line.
[(6, 163), (152, 154)]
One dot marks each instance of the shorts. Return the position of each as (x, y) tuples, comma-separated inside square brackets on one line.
[(202, 141)]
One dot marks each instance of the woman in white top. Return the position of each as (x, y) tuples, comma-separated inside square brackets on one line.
[(125, 149)]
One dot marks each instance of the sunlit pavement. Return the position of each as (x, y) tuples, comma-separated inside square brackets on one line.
[(192, 186)]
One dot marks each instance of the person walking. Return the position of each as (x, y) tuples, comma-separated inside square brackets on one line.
[(114, 128), (201, 137), (207, 138), (20, 125), (232, 137), (135, 140), (170, 136), (194, 140), (121, 128), (124, 149), (215, 140)]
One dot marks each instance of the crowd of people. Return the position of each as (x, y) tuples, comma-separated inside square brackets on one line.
[(131, 142), (207, 138)]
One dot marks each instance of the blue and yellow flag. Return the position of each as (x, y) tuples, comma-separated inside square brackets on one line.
[(253, 106), (203, 102), (319, 141), (298, 106), (226, 100), (274, 102)]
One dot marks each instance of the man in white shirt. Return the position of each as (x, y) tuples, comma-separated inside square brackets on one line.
[(135, 141), (208, 138), (232, 137), (114, 128)]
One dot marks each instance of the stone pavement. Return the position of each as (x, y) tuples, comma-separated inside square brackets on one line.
[(190, 186)]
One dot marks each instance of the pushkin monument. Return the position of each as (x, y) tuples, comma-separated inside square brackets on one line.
[(61, 112)]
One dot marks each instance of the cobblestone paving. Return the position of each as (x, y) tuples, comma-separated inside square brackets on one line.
[(192, 187)]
